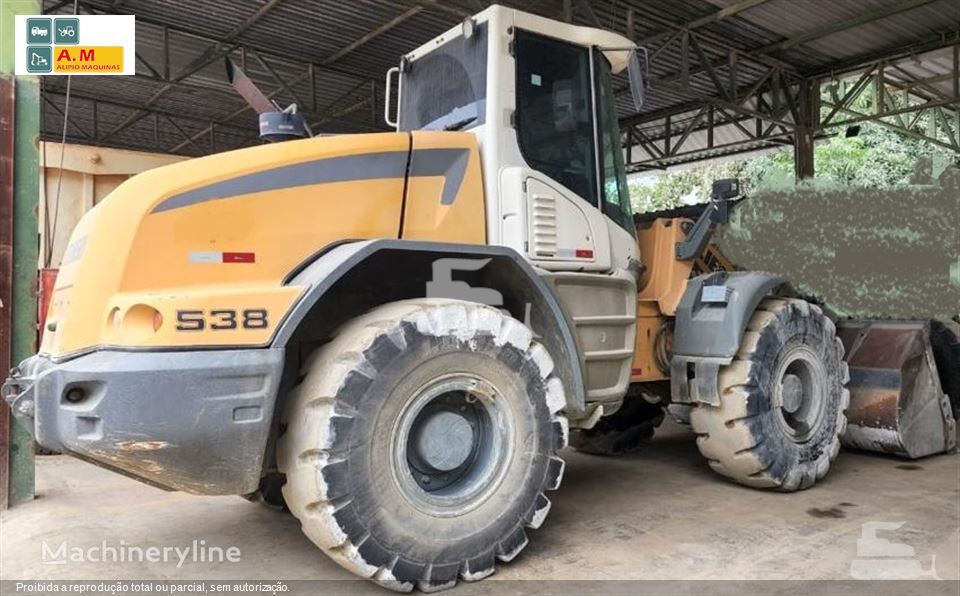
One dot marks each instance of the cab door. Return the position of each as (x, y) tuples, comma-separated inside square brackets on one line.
[(573, 207), (556, 135)]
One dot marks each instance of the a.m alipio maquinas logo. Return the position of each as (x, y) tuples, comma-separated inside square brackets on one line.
[(75, 44)]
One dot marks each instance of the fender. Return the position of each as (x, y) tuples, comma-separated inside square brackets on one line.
[(338, 282), (710, 322)]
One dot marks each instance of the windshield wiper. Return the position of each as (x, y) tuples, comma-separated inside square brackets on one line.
[(458, 117), (459, 123)]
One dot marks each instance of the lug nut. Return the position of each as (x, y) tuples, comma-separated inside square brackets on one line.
[(75, 394)]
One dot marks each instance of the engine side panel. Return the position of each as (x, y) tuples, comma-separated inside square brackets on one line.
[(445, 195)]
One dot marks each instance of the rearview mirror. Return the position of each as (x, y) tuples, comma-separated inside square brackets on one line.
[(638, 71)]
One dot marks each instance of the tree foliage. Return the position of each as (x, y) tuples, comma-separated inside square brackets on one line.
[(877, 157)]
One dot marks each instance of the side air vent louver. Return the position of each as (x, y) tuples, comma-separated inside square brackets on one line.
[(543, 211)]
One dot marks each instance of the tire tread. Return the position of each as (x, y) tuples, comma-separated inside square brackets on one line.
[(309, 493), (724, 433)]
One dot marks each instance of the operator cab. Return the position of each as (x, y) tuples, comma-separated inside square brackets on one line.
[(539, 97)]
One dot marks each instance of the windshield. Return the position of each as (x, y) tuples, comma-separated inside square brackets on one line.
[(446, 89)]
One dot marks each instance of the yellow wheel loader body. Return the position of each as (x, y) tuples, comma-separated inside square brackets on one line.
[(181, 342), (195, 254)]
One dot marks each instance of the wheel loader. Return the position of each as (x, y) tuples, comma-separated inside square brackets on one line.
[(395, 335)]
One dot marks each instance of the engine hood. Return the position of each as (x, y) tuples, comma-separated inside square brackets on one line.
[(202, 233)]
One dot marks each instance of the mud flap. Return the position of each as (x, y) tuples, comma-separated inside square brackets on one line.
[(897, 404)]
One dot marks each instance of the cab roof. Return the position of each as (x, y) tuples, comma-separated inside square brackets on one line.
[(616, 48)]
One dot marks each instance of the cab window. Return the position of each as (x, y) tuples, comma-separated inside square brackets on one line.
[(554, 116), (447, 88), (615, 194)]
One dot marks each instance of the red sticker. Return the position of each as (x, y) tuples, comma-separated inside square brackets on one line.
[(584, 253), (239, 257)]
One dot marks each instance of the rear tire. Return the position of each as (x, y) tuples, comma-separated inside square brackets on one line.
[(421, 441), (782, 401)]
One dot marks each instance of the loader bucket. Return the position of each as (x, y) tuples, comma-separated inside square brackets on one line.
[(897, 404)]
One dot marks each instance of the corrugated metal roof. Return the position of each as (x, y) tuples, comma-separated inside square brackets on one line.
[(290, 34)]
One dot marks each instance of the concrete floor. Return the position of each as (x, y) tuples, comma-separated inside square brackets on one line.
[(661, 514)]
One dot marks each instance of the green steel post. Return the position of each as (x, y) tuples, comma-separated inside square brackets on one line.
[(26, 193)]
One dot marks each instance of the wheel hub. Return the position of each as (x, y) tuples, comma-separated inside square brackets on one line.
[(792, 389), (443, 441), (450, 444), (800, 392)]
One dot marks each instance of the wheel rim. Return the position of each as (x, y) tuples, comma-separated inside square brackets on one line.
[(450, 444), (800, 392)]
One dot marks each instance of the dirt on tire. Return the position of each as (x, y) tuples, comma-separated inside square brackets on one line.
[(337, 449), (749, 437)]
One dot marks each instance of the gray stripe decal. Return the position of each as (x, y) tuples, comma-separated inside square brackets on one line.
[(451, 163)]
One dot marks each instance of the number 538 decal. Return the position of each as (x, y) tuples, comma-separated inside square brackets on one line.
[(221, 319)]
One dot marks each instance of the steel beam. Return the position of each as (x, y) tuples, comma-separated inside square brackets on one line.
[(443, 6), (371, 35), (126, 105), (222, 46), (7, 115), (763, 52), (283, 85), (908, 130), (337, 116), (725, 149), (57, 6), (22, 306), (184, 134), (148, 66), (589, 14), (914, 97), (48, 101), (892, 54), (214, 52), (775, 99), (726, 12), (868, 16), (809, 108)]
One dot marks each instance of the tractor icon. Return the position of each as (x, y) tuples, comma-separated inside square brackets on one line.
[(66, 30)]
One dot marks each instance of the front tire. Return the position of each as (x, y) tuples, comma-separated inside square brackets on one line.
[(420, 443), (782, 401)]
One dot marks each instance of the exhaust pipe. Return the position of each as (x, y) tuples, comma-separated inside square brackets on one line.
[(275, 124)]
